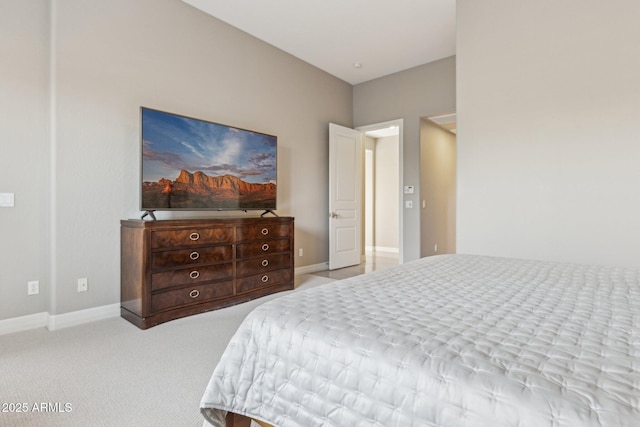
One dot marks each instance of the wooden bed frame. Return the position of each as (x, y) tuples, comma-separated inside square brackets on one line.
[(236, 420)]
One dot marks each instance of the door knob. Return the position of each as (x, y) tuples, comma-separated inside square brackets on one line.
[(333, 215)]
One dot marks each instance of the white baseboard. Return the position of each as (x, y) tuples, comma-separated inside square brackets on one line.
[(307, 269), (80, 317), (23, 323), (59, 321), (74, 318)]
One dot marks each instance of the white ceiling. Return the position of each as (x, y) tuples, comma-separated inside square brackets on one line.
[(383, 36)]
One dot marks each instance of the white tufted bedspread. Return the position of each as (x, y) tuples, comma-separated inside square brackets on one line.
[(446, 341)]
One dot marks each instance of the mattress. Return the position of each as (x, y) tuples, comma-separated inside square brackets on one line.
[(447, 341)]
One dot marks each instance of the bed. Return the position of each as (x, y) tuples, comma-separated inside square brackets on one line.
[(444, 341)]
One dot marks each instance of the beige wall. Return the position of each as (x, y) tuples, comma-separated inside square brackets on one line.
[(437, 190), (368, 191), (111, 58), (418, 92), (386, 193), (548, 152), (24, 155)]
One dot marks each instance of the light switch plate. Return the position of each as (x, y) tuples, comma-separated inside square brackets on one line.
[(7, 200)]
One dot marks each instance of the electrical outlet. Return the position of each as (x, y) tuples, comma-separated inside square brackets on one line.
[(83, 284), (435, 247), (33, 287), (300, 252), (7, 200)]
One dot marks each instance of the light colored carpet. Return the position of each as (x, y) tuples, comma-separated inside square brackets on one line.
[(110, 373)]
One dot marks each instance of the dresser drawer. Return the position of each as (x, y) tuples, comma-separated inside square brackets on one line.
[(190, 237), (263, 231), (206, 255), (192, 275), (190, 295), (263, 280), (247, 250), (262, 264)]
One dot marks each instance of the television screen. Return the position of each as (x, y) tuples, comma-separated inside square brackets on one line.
[(193, 164)]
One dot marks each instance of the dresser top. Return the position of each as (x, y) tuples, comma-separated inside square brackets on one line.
[(202, 222)]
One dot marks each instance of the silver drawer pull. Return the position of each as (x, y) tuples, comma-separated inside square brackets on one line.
[(194, 255), (194, 274), (194, 236), (264, 278), (194, 293), (265, 247), (265, 262), (265, 231)]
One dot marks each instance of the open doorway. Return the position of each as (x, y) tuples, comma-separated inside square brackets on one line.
[(382, 181), (347, 204)]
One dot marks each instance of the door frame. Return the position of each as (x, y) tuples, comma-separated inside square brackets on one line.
[(382, 125)]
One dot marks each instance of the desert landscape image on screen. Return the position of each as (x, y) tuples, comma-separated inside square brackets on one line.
[(194, 164)]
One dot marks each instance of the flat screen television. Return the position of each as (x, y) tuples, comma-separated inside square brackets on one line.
[(193, 164)]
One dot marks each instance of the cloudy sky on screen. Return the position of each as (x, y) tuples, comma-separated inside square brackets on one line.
[(171, 143)]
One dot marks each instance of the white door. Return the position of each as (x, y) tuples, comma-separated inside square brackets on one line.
[(345, 196)]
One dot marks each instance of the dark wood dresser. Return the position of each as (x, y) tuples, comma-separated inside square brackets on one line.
[(176, 268)]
